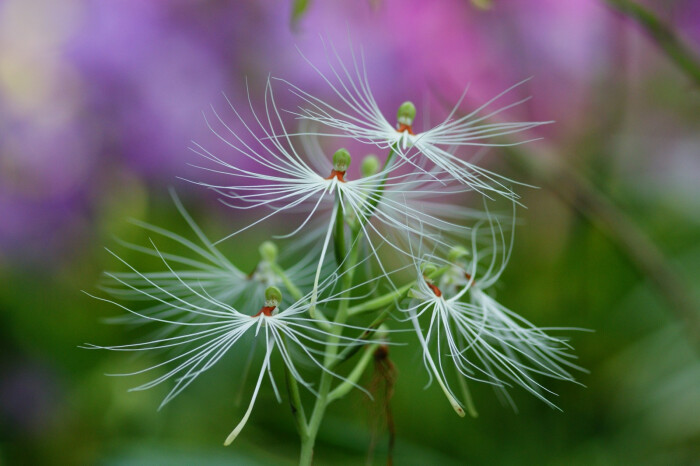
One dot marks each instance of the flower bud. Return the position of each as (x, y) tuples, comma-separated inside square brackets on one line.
[(428, 269), (341, 160), (268, 251), (383, 332), (406, 113), (483, 4), (273, 296), (370, 165), (457, 253)]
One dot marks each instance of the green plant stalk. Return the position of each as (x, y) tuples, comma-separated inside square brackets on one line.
[(663, 34), (372, 328), (376, 196), (389, 298), (308, 441), (471, 409), (381, 301), (331, 350), (351, 380), (339, 234), (295, 402), (293, 290), (580, 194), (299, 9), (314, 296)]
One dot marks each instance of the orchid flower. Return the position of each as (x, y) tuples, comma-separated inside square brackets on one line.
[(359, 117), (469, 330), (206, 329)]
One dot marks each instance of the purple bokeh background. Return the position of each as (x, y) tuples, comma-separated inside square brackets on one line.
[(92, 88)]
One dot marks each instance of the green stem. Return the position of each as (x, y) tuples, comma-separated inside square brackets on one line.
[(295, 403), (663, 34), (381, 301), (471, 409), (351, 381), (314, 295), (307, 451), (307, 442), (372, 328), (339, 234), (331, 350), (579, 193), (376, 195), (293, 290), (389, 298)]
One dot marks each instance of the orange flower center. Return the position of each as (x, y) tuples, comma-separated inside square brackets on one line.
[(338, 175), (266, 310), (404, 127), (470, 279), (434, 288)]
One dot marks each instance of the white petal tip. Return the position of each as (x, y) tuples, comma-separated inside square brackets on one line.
[(232, 436), (229, 440)]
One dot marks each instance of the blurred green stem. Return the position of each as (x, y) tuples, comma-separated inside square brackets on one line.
[(299, 9), (663, 34), (378, 193), (579, 193)]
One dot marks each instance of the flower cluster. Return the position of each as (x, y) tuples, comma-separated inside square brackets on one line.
[(389, 247)]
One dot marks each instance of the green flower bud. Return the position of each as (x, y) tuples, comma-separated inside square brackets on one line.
[(370, 165), (383, 332), (406, 113), (483, 4), (268, 251), (341, 160), (457, 253), (428, 269), (273, 296)]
